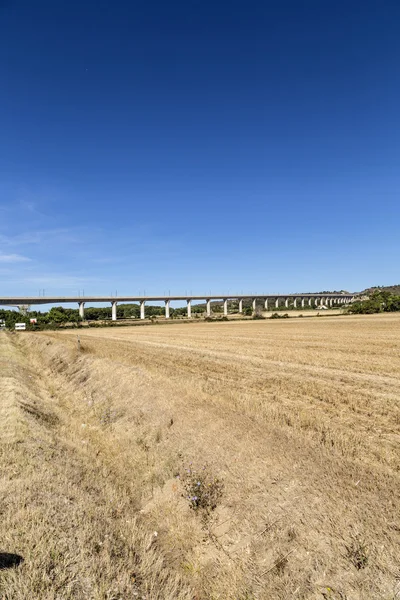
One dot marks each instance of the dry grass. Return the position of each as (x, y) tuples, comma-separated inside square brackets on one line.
[(299, 419)]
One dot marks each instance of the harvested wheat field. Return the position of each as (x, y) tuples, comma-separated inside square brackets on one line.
[(233, 461)]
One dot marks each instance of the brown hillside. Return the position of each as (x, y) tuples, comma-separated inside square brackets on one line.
[(392, 289)]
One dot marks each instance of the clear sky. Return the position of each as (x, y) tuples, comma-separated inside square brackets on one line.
[(199, 146)]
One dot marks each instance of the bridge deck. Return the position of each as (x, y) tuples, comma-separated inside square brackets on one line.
[(29, 300)]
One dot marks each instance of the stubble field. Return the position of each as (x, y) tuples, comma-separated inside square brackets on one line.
[(286, 432)]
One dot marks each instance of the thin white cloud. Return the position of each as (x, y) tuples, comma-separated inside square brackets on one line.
[(13, 258), (43, 236)]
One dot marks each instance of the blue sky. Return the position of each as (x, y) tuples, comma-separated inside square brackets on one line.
[(199, 146)]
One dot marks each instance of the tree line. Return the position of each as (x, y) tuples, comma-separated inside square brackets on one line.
[(58, 315), (378, 301)]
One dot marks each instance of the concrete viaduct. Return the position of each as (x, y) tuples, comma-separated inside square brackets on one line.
[(269, 301)]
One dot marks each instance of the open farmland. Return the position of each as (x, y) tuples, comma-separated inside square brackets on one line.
[(293, 424)]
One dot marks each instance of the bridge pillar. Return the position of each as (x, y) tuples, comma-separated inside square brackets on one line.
[(303, 302), (331, 302), (287, 302), (24, 309), (167, 309), (208, 307), (114, 310), (277, 303), (266, 304), (254, 304), (225, 307), (241, 306), (189, 309), (295, 302), (142, 315), (310, 302), (82, 310)]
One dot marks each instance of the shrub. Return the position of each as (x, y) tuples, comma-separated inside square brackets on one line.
[(201, 488), (357, 553)]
